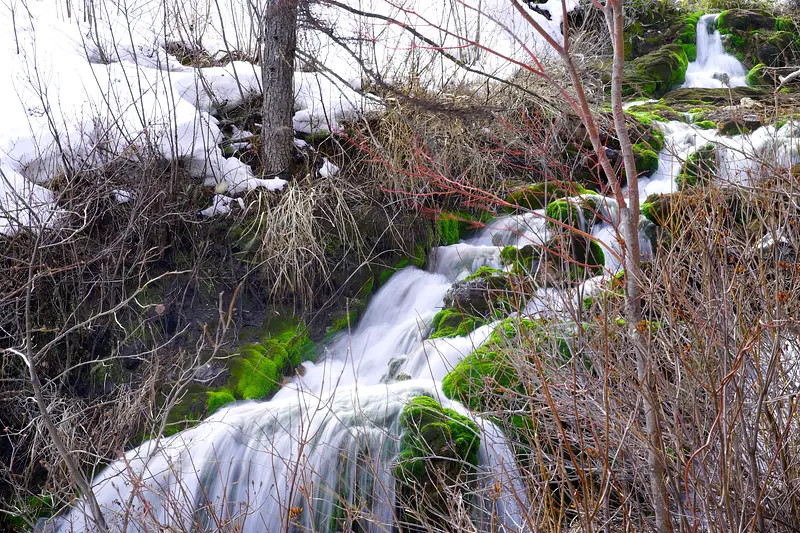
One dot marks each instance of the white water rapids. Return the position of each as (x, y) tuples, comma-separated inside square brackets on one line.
[(324, 445)]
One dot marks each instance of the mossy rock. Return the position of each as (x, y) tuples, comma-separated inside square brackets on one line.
[(449, 323), (651, 113), (520, 259), (343, 321), (706, 125), (565, 212), (756, 76), (776, 50), (217, 399), (491, 370), (657, 72), (449, 228), (646, 160), (657, 208), (744, 20), (259, 368), (688, 36), (538, 195), (439, 447), (699, 167), (694, 98)]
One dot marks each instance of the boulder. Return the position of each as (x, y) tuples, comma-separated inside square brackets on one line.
[(744, 20), (657, 72), (476, 296)]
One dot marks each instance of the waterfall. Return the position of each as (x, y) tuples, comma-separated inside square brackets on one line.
[(322, 450), (713, 68)]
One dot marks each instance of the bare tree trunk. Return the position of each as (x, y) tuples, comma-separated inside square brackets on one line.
[(279, 38), (629, 220)]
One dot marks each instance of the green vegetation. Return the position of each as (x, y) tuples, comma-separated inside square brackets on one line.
[(755, 77), (449, 323), (657, 72), (698, 168), (706, 125), (519, 259), (567, 212), (646, 159), (435, 436), (492, 369), (537, 196), (259, 368), (217, 399), (688, 37)]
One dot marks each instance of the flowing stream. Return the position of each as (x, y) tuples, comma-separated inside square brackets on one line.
[(325, 444), (714, 68)]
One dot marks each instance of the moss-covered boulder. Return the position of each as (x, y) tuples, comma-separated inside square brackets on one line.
[(656, 73), (438, 452), (756, 76), (699, 167), (758, 37), (493, 370), (478, 295), (565, 212), (646, 160), (776, 49), (538, 195), (449, 323), (450, 227), (660, 23), (744, 20), (657, 209), (520, 259)]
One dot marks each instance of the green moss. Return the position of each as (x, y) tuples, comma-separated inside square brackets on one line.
[(32, 507), (645, 118), (657, 72), (706, 125), (785, 24), (449, 323), (755, 77), (537, 196), (492, 369), (486, 272), (519, 259), (435, 437), (343, 322), (690, 50), (565, 212), (698, 168), (646, 159), (217, 399), (259, 368), (256, 374), (688, 37), (447, 229), (451, 227)]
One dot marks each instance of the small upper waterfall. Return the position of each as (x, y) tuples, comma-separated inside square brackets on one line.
[(714, 68)]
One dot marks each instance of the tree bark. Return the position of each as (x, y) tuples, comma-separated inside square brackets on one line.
[(279, 38), (629, 220)]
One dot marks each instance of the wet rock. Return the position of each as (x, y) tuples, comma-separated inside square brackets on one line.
[(211, 375), (474, 296)]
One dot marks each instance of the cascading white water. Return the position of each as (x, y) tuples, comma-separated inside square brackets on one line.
[(713, 67), (324, 446)]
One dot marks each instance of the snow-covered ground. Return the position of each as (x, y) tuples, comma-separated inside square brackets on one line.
[(88, 83)]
